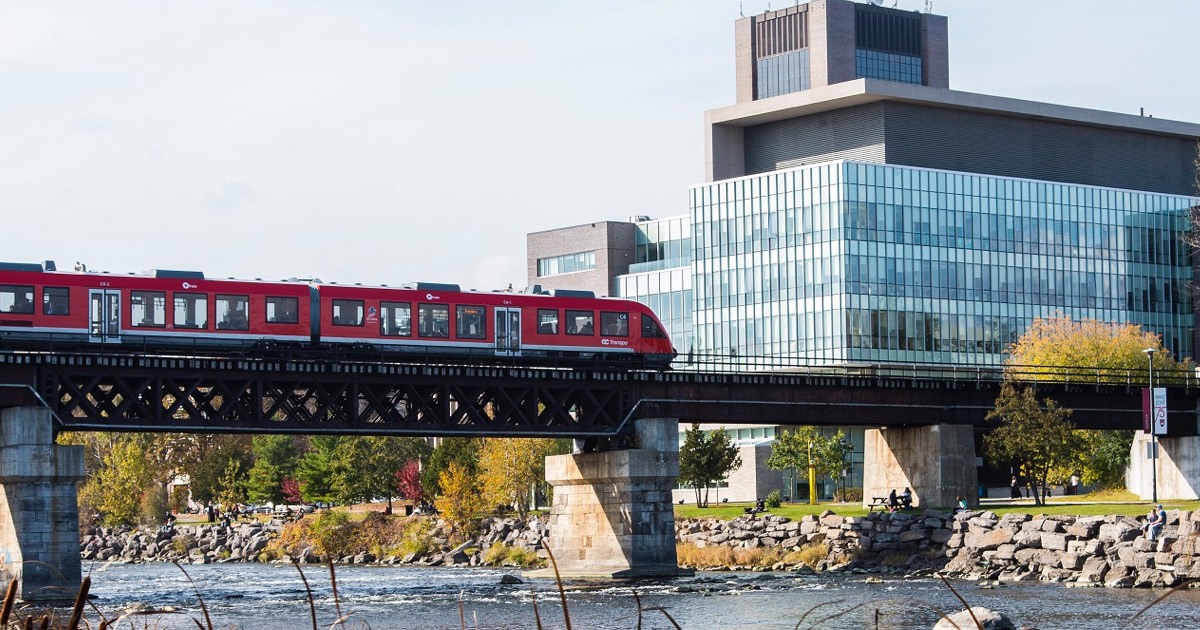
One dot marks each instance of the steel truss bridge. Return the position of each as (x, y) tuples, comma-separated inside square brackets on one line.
[(115, 392)]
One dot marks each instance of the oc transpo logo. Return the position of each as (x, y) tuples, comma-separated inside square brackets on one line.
[(189, 285), (613, 342)]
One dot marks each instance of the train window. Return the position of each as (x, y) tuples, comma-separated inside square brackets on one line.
[(548, 321), (614, 324), (580, 322), (470, 322), (148, 309), (651, 329), (16, 299), (396, 320), (283, 310), (347, 312), (191, 310), (433, 320), (56, 301), (233, 312)]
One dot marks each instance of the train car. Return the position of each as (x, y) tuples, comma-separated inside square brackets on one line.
[(184, 311), (175, 310), (440, 319)]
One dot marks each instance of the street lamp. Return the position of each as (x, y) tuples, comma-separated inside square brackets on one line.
[(1153, 439)]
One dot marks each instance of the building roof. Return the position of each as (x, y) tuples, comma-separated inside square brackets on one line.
[(864, 91)]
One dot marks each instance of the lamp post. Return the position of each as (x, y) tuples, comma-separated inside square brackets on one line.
[(1153, 439), (812, 477)]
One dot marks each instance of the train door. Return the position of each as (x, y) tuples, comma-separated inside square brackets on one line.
[(104, 316), (508, 332)]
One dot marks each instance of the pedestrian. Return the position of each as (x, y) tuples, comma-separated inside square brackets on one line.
[(1014, 488), (1155, 522), (1074, 485)]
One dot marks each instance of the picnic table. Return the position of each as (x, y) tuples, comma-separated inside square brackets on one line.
[(880, 502)]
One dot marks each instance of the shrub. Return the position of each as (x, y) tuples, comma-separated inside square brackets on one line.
[(774, 499), (330, 534), (852, 495), (809, 555)]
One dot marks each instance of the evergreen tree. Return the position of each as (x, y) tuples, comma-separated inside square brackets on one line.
[(460, 450), (275, 458)]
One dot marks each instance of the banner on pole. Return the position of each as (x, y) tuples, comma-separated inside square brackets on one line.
[(1160, 410), (1147, 411)]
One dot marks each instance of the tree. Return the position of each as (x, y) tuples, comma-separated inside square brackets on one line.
[(706, 458), (1115, 353), (1039, 438), (365, 467), (116, 489), (408, 481), (510, 467), (316, 468), (275, 459), (209, 473), (460, 499), (459, 450), (798, 449), (291, 490)]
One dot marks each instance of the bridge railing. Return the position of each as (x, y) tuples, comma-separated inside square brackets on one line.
[(1093, 375)]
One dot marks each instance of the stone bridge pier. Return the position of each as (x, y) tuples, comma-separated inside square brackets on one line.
[(937, 462), (612, 515), (39, 515)]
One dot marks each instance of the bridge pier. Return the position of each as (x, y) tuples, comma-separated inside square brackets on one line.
[(1177, 473), (39, 514), (612, 515), (937, 462)]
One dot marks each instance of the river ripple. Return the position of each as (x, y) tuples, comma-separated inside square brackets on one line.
[(273, 597)]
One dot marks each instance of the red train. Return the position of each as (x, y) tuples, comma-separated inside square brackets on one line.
[(182, 311)]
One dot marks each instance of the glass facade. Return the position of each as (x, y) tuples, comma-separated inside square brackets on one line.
[(845, 262), (872, 64), (784, 74), (661, 276)]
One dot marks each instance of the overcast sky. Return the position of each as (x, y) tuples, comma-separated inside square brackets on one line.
[(388, 141)]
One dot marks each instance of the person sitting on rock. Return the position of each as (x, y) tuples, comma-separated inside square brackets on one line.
[(1156, 521)]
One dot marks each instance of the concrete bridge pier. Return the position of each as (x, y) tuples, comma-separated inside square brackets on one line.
[(39, 515), (1176, 471), (612, 515), (937, 462)]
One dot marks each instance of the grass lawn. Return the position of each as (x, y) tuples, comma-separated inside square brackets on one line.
[(794, 511)]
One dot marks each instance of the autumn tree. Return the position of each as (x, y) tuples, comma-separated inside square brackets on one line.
[(463, 451), (1035, 436), (510, 467), (460, 500), (1107, 352), (706, 457), (408, 481), (115, 488), (212, 476)]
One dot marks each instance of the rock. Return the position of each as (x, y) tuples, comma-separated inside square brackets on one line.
[(988, 620), (510, 579)]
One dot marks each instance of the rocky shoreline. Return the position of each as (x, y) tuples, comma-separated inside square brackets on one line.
[(251, 542), (974, 545)]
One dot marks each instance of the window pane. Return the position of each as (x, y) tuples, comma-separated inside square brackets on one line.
[(580, 322), (548, 321), (614, 324), (16, 299), (347, 312), (470, 322), (433, 320), (396, 320), (56, 301), (191, 310), (148, 308), (283, 310), (232, 312)]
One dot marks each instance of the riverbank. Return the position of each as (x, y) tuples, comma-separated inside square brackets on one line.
[(973, 545)]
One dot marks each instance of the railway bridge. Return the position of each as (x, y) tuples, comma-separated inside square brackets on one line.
[(612, 516)]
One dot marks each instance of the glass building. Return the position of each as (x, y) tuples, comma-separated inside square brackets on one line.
[(850, 261)]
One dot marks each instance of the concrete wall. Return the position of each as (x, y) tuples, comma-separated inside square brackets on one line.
[(936, 462), (1177, 474)]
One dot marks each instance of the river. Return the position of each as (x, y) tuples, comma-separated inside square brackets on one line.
[(273, 597)]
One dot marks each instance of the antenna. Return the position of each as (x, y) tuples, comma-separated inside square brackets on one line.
[(929, 6), (742, 13), (877, 3)]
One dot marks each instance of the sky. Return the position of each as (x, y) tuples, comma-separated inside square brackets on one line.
[(382, 141)]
